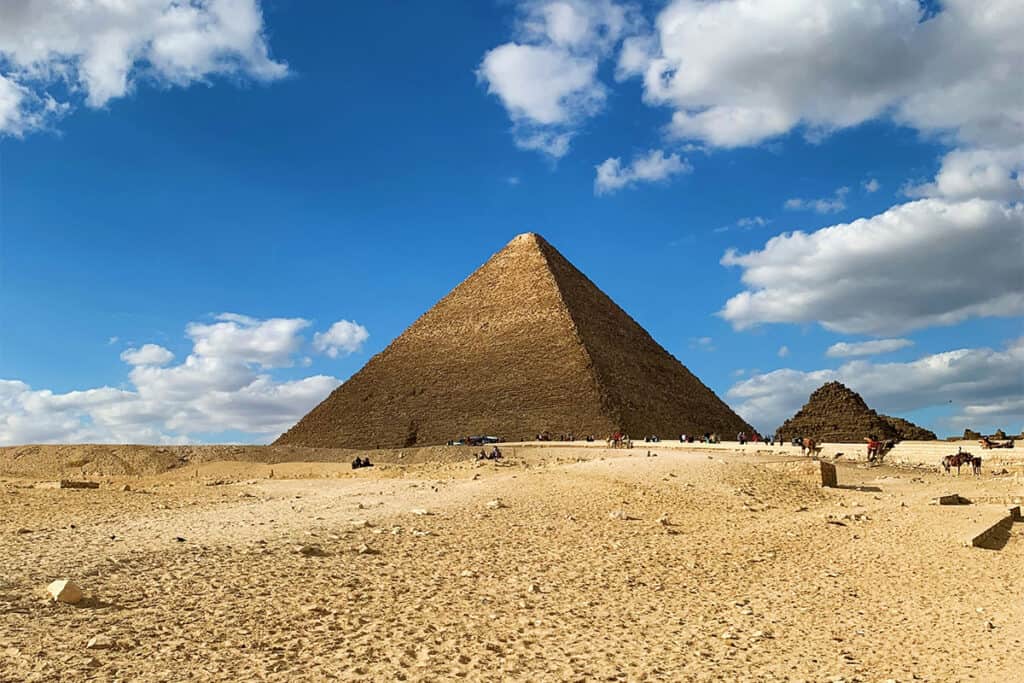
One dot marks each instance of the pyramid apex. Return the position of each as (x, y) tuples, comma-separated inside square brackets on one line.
[(527, 237)]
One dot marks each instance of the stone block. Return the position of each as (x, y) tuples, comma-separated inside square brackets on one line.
[(828, 475)]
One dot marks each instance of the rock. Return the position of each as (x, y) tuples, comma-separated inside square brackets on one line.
[(311, 551), (360, 524), (619, 515), (125, 488), (828, 475), (23, 531), (951, 499), (365, 550), (422, 512), (467, 574), (99, 642), (664, 521), (495, 504), (65, 591), (68, 484), (534, 588)]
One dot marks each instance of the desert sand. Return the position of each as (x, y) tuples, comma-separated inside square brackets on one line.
[(556, 564)]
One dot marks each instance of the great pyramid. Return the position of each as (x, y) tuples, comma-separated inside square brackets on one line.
[(525, 344), (838, 414)]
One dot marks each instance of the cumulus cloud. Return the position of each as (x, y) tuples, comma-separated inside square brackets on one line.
[(871, 186), (653, 167), (342, 338), (149, 354), (55, 54), (986, 173), (867, 348), (783, 351), (547, 79), (738, 72), (833, 204), (224, 384), (982, 385), (928, 262)]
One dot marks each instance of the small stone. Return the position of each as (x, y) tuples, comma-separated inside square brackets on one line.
[(311, 551), (65, 591), (467, 573), (727, 636), (534, 588), (99, 642), (495, 504), (23, 531), (360, 524), (664, 521), (365, 550), (125, 488), (421, 512), (619, 515)]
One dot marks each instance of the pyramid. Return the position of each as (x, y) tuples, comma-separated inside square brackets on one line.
[(838, 414), (525, 344)]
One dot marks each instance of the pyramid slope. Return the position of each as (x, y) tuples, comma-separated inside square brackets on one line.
[(503, 354), (649, 390), (838, 414)]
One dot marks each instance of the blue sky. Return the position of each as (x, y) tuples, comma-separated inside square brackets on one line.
[(295, 165)]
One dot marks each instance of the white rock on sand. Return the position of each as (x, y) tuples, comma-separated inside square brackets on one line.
[(63, 590)]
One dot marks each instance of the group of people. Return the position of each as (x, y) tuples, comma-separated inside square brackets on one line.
[(361, 462), (495, 454)]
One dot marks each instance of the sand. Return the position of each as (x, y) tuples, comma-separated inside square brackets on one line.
[(596, 565)]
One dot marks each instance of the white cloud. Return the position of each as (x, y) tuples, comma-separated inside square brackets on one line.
[(738, 72), (342, 338), (547, 80), (149, 354), (221, 386), (98, 50), (871, 186), (542, 85), (929, 262), (655, 166), (986, 173), (833, 204), (702, 343), (982, 386), (783, 351), (268, 343), (752, 222), (868, 348)]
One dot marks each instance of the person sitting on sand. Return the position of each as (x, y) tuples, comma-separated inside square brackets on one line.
[(357, 463), (495, 453)]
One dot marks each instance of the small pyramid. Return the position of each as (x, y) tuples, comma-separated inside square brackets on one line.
[(836, 413), (524, 345)]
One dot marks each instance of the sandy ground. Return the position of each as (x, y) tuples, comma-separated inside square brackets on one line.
[(726, 568)]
